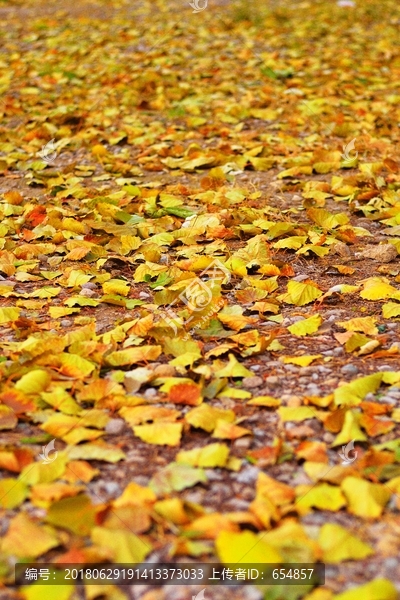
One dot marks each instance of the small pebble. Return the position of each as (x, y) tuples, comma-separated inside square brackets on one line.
[(111, 487), (314, 390), (300, 277), (252, 382), (114, 426), (388, 400), (349, 369), (66, 323), (243, 442), (89, 286), (150, 393), (144, 295), (272, 380), (338, 351), (328, 437), (248, 475), (213, 475), (87, 293), (391, 562)]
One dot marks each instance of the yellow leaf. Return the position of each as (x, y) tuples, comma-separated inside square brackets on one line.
[(96, 451), (319, 594), (268, 401), (132, 356), (378, 589), (33, 382), (301, 361), (229, 392), (235, 321), (76, 514), (125, 547), (306, 326), (366, 500), (139, 415), (62, 401), (176, 477), (99, 150), (58, 591), (13, 493), (237, 266), (279, 493), (356, 340), (322, 496), (296, 413), (178, 347), (245, 547), (172, 509), (293, 543), (135, 494), (75, 366), (59, 311), (116, 286), (210, 526), (25, 538), (293, 242), (350, 430), (339, 545), (160, 433), (377, 288), (325, 219), (319, 471), (368, 347), (353, 393), (229, 431), (211, 456), (364, 324), (234, 369), (77, 278), (206, 417), (9, 314), (391, 309), (39, 472), (302, 293)]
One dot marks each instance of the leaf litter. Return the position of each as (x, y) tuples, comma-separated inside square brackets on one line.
[(199, 290)]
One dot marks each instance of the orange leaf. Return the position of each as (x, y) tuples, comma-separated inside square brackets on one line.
[(17, 401), (229, 431), (185, 393), (375, 426)]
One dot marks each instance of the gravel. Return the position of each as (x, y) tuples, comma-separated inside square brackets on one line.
[(248, 475), (114, 426), (349, 369), (272, 380), (252, 382)]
